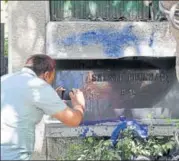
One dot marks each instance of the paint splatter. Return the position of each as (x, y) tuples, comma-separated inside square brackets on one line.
[(85, 131), (139, 129), (123, 123), (113, 41), (112, 120)]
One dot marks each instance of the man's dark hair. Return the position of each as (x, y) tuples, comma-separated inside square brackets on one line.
[(40, 64)]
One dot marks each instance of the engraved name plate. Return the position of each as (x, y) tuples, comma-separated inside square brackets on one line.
[(111, 92)]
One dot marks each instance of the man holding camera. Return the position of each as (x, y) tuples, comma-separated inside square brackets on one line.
[(25, 97)]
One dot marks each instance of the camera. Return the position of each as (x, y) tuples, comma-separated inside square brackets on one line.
[(65, 95)]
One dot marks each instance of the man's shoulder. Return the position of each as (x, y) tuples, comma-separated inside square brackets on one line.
[(37, 82), (6, 76)]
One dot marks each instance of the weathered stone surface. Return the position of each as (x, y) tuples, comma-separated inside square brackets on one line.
[(58, 147), (92, 40), (27, 21), (168, 5), (56, 130)]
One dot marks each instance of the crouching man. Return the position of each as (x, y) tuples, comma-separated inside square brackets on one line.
[(25, 97)]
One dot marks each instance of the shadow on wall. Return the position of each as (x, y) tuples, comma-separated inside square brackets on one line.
[(27, 30)]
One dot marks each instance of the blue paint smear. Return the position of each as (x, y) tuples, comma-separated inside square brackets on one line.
[(88, 123), (114, 136), (123, 123), (113, 41), (84, 133), (112, 120), (140, 130)]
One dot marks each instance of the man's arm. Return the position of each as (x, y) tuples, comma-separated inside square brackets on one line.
[(70, 117), (46, 98), (73, 117)]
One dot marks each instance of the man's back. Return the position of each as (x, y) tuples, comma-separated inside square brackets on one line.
[(25, 97), (18, 115)]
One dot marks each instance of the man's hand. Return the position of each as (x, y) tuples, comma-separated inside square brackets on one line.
[(73, 117), (60, 90), (77, 98)]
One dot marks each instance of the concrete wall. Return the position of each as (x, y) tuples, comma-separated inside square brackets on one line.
[(175, 32), (96, 40), (27, 20)]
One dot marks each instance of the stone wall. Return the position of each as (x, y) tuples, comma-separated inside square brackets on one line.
[(106, 40), (27, 21), (175, 32)]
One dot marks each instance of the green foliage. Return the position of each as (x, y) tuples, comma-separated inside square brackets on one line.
[(127, 148)]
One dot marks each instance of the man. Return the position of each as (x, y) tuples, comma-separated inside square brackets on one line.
[(25, 97)]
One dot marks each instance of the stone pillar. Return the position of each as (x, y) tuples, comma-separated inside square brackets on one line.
[(168, 5), (27, 21), (27, 29)]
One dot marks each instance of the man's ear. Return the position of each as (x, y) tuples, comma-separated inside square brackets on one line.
[(47, 75)]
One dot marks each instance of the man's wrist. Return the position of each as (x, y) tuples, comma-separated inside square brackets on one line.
[(79, 108)]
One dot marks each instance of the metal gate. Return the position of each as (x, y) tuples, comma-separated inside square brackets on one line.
[(4, 60), (105, 10)]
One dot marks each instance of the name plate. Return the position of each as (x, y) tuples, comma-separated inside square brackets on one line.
[(112, 92)]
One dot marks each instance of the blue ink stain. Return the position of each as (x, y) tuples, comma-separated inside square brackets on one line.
[(113, 41), (116, 131), (140, 130), (84, 133), (87, 123), (112, 120)]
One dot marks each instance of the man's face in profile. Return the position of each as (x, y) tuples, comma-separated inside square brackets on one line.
[(49, 77)]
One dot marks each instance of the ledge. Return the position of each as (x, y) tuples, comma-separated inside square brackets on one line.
[(157, 127)]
